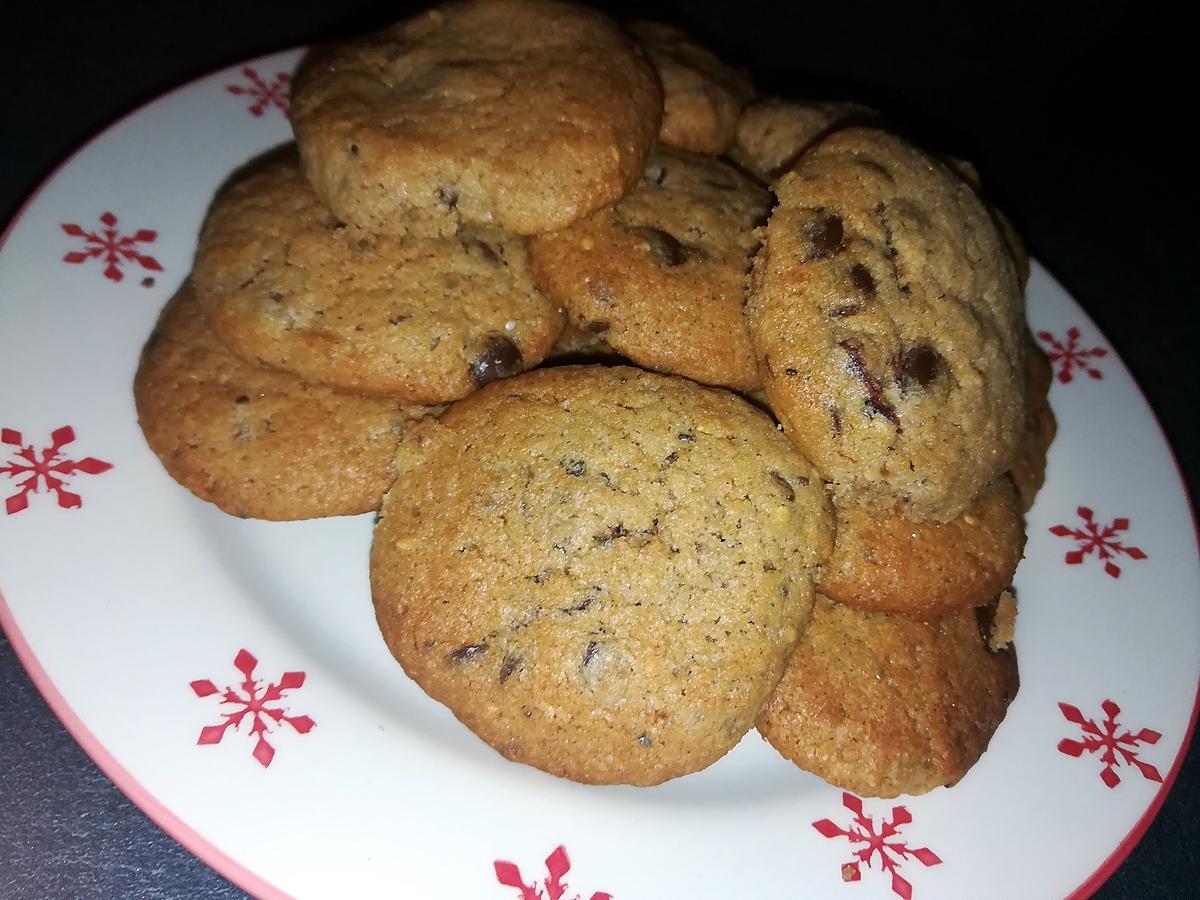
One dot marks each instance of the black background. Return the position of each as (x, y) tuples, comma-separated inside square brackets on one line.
[(1076, 116)]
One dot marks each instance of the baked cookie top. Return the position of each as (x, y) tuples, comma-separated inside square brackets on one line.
[(660, 276), (888, 323), (881, 705), (702, 96), (525, 114), (882, 562), (600, 571), (260, 444), (772, 133), (287, 285)]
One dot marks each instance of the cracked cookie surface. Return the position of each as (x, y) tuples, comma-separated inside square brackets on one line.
[(660, 276), (888, 322), (428, 320), (525, 114), (259, 443), (600, 571)]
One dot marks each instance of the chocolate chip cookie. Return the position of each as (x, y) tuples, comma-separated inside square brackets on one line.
[(881, 705), (660, 275), (772, 133), (523, 114), (601, 571), (286, 285), (882, 562), (702, 96), (257, 443), (888, 322)]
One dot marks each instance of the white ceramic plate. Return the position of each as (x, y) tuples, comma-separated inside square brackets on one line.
[(161, 630)]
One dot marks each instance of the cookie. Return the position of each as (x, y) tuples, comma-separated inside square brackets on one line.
[(523, 114), (888, 322), (1008, 232), (881, 705), (257, 443), (772, 133), (660, 275), (882, 562), (1028, 470), (702, 96), (600, 571), (428, 320)]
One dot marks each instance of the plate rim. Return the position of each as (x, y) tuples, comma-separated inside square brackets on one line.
[(244, 877)]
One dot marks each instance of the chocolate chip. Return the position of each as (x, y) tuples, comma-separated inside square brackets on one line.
[(242, 399), (875, 398), (666, 248), (510, 664), (486, 250), (686, 436), (842, 312), (576, 467), (790, 372), (467, 654), (789, 493), (644, 741), (447, 194), (825, 234), (862, 279), (616, 531), (499, 358), (590, 652), (921, 365), (583, 604), (656, 175), (354, 149)]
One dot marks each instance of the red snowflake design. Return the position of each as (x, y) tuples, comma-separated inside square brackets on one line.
[(264, 95), (557, 865), (1070, 355), (253, 705), (47, 466), (892, 853), (114, 248), (1094, 539), (1117, 749)]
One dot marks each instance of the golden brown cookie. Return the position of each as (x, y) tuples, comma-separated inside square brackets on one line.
[(888, 323), (660, 276), (425, 319), (772, 133), (599, 570), (524, 114), (702, 96), (881, 705), (257, 443), (1028, 470), (882, 562)]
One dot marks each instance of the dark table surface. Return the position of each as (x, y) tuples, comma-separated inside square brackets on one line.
[(1075, 116)]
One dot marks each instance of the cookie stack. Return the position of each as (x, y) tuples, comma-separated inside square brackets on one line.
[(771, 464)]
